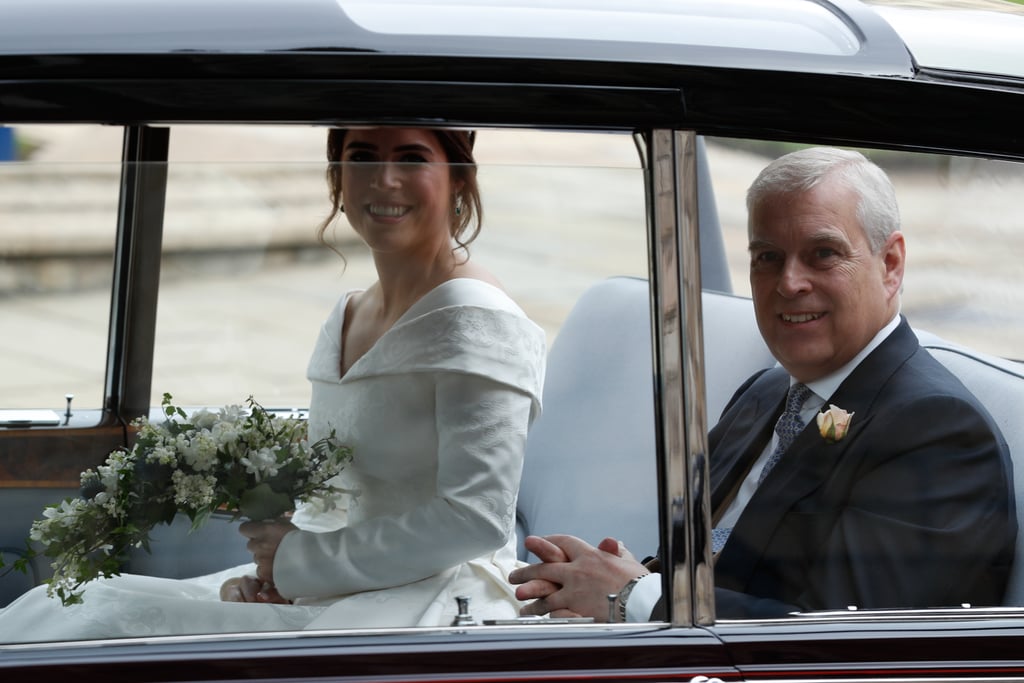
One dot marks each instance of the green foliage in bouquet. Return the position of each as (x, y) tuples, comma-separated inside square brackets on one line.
[(247, 462)]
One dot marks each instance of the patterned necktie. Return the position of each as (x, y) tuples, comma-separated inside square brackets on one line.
[(788, 426)]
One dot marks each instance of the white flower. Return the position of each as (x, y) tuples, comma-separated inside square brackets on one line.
[(262, 463), (225, 433), (194, 491), (233, 413), (147, 430), (198, 450), (164, 455), (203, 419)]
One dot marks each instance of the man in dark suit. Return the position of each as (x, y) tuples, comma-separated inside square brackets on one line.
[(858, 472)]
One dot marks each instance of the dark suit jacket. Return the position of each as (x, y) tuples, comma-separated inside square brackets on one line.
[(913, 508)]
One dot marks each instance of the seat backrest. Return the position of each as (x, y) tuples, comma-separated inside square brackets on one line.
[(22, 506), (178, 552), (999, 385), (590, 466)]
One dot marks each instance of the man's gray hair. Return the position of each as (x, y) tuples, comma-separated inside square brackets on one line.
[(801, 171)]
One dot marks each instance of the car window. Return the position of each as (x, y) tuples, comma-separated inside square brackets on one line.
[(245, 289), (58, 217), (245, 285), (962, 227), (829, 530)]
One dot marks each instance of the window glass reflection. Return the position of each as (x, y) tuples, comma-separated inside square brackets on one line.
[(872, 456), (58, 215), (245, 291)]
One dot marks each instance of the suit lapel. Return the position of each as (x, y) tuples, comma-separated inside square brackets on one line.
[(747, 427)]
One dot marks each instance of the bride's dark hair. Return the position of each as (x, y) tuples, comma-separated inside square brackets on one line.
[(458, 148)]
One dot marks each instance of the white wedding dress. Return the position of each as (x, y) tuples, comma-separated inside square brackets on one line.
[(436, 413)]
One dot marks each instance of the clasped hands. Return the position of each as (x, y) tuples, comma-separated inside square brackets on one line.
[(574, 578), (264, 539)]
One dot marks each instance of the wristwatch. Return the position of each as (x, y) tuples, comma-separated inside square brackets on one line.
[(622, 596)]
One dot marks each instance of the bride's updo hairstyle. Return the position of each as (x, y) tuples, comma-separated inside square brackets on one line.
[(467, 208)]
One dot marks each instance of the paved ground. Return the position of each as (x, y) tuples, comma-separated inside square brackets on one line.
[(254, 335)]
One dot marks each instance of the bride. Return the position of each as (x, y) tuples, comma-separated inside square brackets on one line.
[(432, 375)]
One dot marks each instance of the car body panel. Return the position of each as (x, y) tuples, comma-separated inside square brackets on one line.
[(840, 36), (980, 38)]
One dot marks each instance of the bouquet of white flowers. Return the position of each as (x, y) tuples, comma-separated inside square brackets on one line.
[(246, 462)]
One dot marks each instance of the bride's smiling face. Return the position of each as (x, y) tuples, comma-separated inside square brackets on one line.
[(397, 188)]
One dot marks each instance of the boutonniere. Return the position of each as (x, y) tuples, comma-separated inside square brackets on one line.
[(834, 423)]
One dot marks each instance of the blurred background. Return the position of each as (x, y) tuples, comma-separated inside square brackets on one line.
[(245, 286)]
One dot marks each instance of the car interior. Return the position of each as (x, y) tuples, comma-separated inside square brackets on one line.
[(592, 419), (591, 503)]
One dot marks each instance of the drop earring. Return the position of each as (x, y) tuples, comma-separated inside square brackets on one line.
[(458, 205)]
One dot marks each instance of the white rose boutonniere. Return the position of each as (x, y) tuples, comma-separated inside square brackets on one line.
[(834, 423)]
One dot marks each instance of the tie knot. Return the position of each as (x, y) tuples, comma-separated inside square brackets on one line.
[(798, 393), (788, 426)]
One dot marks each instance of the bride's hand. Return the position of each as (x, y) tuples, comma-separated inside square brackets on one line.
[(250, 589), (264, 538), (240, 589)]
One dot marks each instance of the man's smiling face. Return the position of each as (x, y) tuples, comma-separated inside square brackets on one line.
[(820, 295)]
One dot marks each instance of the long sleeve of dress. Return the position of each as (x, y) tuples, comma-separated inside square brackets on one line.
[(481, 440)]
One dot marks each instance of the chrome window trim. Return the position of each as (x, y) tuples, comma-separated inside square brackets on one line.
[(932, 616), (679, 361)]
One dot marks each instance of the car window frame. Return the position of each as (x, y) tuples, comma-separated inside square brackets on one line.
[(680, 408), (816, 622)]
